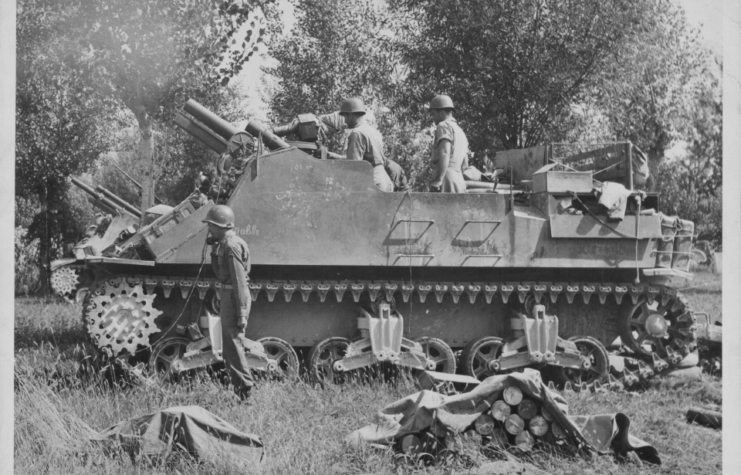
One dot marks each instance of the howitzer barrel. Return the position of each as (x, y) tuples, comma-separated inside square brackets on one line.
[(257, 129), (211, 120), (85, 187), (227, 130), (120, 201), (108, 204)]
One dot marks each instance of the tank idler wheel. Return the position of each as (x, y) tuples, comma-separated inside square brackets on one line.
[(322, 356), (439, 352), (650, 328), (283, 355), (165, 353), (479, 357), (597, 370)]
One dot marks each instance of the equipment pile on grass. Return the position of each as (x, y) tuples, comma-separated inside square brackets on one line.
[(513, 412)]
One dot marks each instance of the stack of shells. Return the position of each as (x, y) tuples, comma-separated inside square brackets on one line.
[(516, 420), (512, 421)]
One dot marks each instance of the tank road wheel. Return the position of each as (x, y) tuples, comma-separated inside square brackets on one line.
[(651, 328), (165, 352), (120, 316), (477, 355), (438, 351), (283, 354), (598, 358), (322, 356)]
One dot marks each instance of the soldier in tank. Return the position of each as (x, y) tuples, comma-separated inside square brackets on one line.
[(449, 149), (334, 123), (230, 259), (365, 142)]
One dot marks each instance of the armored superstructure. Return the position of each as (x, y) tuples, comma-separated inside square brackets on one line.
[(537, 272)]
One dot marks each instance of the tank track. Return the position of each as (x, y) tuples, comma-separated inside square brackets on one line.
[(636, 369)]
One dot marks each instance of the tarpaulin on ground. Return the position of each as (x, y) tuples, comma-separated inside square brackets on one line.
[(417, 412), (191, 429)]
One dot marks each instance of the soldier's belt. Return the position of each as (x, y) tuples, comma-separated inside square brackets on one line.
[(231, 286)]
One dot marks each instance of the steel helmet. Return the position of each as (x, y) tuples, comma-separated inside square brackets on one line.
[(353, 104), (221, 216), (441, 102)]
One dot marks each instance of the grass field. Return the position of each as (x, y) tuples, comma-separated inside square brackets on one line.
[(303, 427)]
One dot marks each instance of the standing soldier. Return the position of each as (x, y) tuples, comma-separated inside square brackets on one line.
[(230, 259), (450, 148), (364, 142)]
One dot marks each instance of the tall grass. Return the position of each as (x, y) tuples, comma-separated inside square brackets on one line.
[(61, 399)]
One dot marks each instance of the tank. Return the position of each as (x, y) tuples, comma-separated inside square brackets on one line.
[(534, 272)]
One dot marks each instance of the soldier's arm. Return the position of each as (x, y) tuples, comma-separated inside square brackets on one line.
[(235, 257), (355, 148), (215, 259), (441, 158)]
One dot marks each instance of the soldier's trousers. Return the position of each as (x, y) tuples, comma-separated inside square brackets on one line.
[(232, 341)]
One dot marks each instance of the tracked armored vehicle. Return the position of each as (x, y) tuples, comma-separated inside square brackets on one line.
[(345, 276)]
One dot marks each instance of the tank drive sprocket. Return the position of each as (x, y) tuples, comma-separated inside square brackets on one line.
[(119, 315), (659, 327), (64, 281)]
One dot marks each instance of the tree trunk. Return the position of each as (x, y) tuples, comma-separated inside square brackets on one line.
[(44, 286), (146, 161)]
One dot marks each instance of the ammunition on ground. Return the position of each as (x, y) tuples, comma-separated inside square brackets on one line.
[(484, 424), (512, 395), (547, 414), (514, 424), (500, 411), (527, 409), (411, 444), (524, 440), (558, 431), (538, 426)]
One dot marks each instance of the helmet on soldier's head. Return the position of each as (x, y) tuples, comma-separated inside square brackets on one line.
[(221, 216), (351, 105), (441, 102)]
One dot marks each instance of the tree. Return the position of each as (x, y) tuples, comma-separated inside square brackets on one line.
[(58, 126), (330, 55), (649, 95), (151, 55), (512, 68), (337, 50)]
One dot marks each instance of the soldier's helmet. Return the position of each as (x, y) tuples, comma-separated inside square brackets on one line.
[(353, 104), (221, 216), (441, 102)]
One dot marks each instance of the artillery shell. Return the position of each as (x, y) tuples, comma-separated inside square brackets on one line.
[(411, 444), (499, 438), (558, 431), (524, 440), (514, 424), (547, 414), (527, 409), (512, 395), (484, 424), (538, 426), (500, 411)]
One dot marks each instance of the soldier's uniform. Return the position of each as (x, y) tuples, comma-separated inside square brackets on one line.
[(453, 181), (230, 260), (365, 143)]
